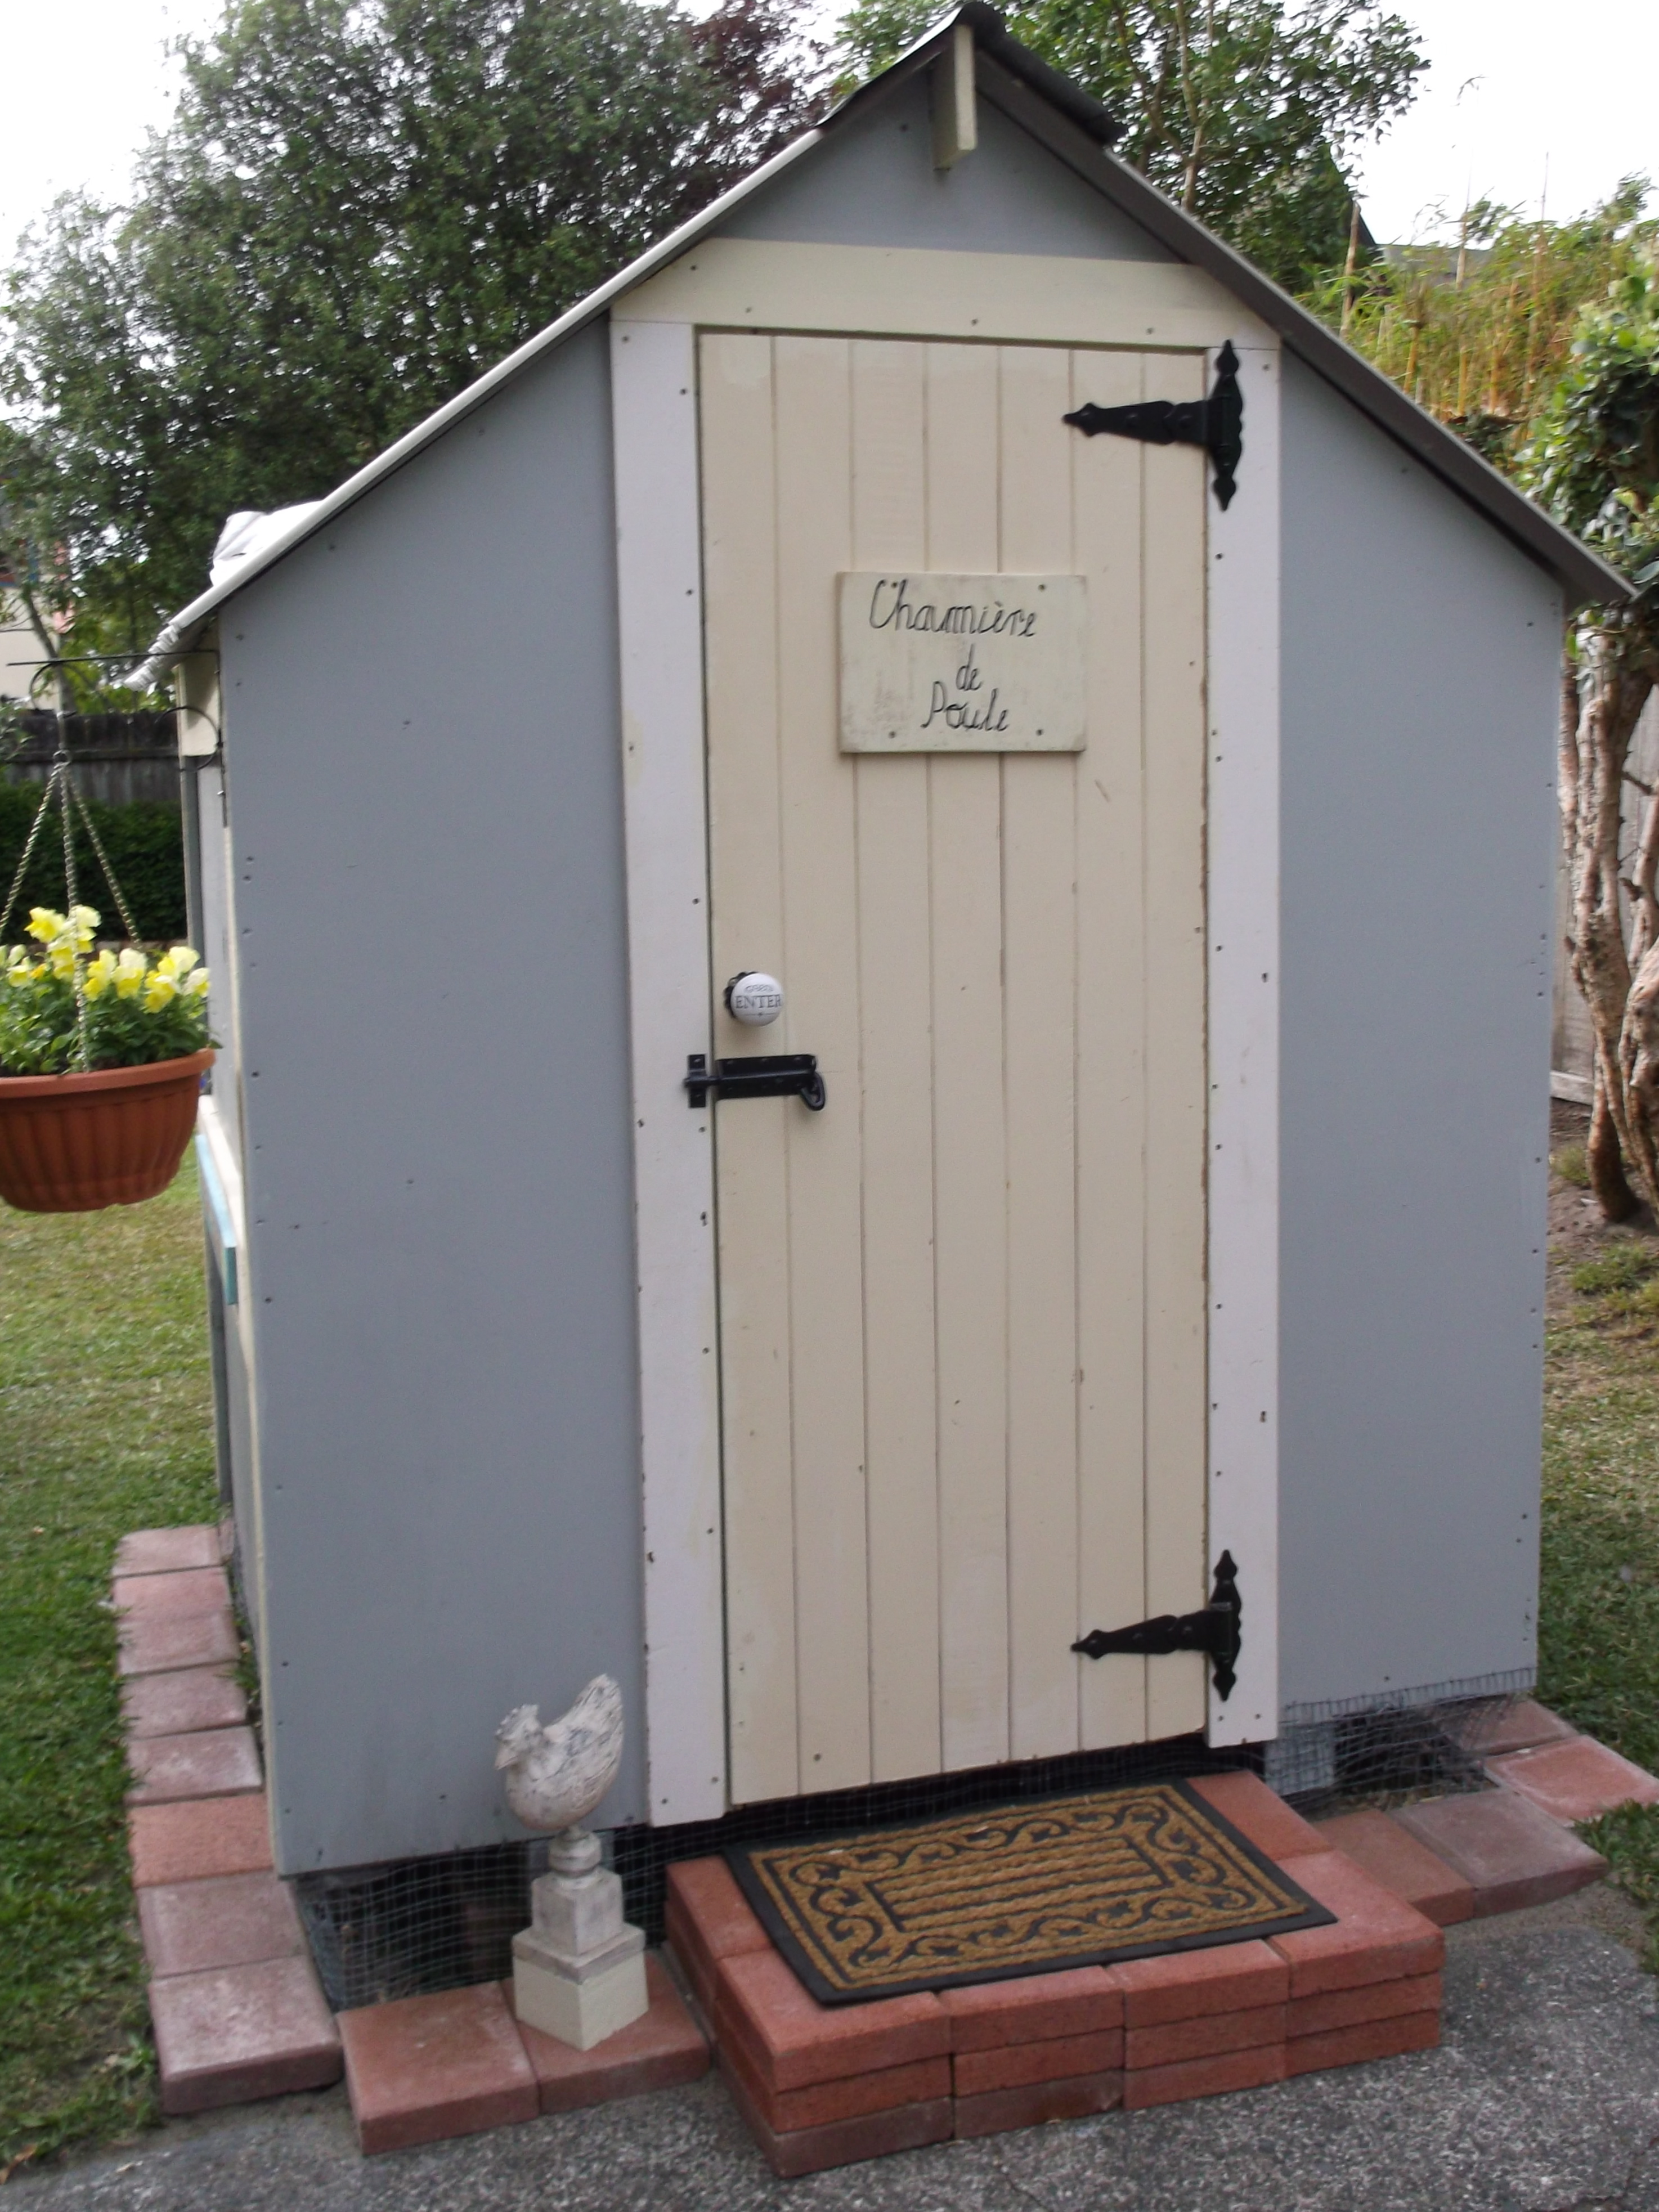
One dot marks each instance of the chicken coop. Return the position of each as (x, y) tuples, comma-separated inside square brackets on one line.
[(1109, 731)]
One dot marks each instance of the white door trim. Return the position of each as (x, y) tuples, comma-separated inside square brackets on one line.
[(1242, 869), (897, 291), (660, 594)]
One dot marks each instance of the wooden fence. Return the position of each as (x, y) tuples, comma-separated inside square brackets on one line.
[(118, 757)]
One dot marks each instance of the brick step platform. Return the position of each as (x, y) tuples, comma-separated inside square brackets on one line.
[(822, 2086), (239, 2012)]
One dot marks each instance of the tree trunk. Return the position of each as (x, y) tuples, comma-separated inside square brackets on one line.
[(1617, 1200), (1598, 721)]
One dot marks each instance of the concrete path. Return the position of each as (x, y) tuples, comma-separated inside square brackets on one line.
[(1544, 2097)]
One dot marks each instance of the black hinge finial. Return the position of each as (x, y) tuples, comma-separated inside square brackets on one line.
[(1216, 423), (1214, 1629)]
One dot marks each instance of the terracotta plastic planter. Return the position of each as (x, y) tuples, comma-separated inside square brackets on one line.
[(70, 1143)]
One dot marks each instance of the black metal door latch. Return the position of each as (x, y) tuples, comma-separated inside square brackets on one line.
[(1216, 423), (756, 1075), (1214, 1629)]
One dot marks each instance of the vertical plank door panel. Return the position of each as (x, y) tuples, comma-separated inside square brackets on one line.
[(902, 1485), (970, 1149), (1111, 1060), (964, 1310), (752, 1180), (1039, 1037), (1175, 979), (821, 1015)]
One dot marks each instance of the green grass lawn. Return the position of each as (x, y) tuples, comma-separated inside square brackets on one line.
[(105, 1425), (1599, 1602)]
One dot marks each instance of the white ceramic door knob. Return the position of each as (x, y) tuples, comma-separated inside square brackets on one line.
[(754, 999)]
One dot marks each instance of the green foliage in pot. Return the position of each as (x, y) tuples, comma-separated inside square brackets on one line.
[(138, 1011)]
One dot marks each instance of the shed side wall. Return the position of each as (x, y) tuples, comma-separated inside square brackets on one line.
[(425, 787), (1419, 652)]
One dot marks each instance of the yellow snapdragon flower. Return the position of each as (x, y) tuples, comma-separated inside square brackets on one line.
[(131, 971), (45, 924), (177, 962), (100, 974), (158, 990)]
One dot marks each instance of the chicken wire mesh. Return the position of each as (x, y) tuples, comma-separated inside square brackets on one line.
[(417, 1926)]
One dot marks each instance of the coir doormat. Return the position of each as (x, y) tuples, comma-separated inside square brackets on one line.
[(1021, 1889)]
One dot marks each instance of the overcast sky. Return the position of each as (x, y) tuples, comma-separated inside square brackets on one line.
[(1519, 92)]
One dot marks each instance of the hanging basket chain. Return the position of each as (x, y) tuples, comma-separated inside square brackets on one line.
[(60, 769), (116, 892), (28, 854), (60, 785)]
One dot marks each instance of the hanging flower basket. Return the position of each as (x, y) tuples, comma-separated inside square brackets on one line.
[(101, 1059), (70, 1143)]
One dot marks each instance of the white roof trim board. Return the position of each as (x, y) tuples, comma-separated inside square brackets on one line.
[(1079, 130)]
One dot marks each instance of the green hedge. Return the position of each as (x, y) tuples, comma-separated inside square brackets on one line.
[(145, 848)]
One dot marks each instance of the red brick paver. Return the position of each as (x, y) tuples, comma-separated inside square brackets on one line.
[(708, 1919), (1186, 1984), (657, 2051), (1058, 2058), (793, 2041), (1392, 1856), (421, 2069), (1358, 2007), (1514, 1728), (237, 2032), (214, 1763), (1260, 1814), (1377, 1938), (1203, 2077), (180, 1703), (153, 1597), (1354, 2046), (1509, 1850), (205, 1836), (1206, 2036), (998, 2110), (159, 1643), (883, 2089), (166, 1551), (1032, 2009), (843, 2142), (1575, 1780), (229, 1920)]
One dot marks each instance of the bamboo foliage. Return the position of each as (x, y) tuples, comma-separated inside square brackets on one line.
[(1480, 332)]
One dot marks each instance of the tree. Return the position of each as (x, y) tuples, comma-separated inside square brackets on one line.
[(1593, 461), (1480, 330), (1242, 110), (360, 206)]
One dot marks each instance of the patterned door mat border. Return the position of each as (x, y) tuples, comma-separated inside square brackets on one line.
[(1032, 1888)]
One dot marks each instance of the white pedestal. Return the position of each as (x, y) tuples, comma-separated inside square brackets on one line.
[(579, 1969)]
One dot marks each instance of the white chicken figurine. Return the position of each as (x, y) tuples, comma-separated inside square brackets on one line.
[(557, 1774)]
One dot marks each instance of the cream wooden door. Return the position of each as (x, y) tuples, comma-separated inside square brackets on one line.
[(962, 1310)]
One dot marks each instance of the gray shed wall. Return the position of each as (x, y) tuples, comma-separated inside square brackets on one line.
[(874, 184), (1419, 652), (423, 753)]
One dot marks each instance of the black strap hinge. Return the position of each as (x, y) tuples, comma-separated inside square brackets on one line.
[(1216, 423), (1214, 1629)]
